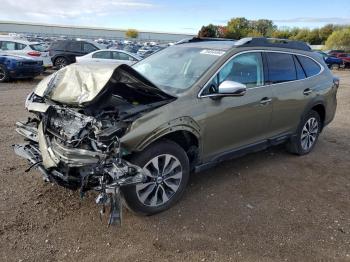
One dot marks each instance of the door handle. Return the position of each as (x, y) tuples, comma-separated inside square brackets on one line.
[(307, 91), (265, 101)]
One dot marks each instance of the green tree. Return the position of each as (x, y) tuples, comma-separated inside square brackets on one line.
[(262, 27), (209, 31), (325, 32), (339, 40), (313, 37), (237, 28), (131, 33)]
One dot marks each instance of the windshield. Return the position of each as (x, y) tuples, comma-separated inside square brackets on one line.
[(175, 69)]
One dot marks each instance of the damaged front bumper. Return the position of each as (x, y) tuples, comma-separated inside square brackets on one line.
[(78, 168)]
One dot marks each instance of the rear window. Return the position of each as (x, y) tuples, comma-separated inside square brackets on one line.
[(38, 47), (281, 67), (311, 68)]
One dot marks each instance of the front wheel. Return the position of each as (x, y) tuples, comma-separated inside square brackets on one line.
[(306, 137), (166, 167)]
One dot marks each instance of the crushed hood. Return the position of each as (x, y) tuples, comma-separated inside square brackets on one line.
[(79, 84)]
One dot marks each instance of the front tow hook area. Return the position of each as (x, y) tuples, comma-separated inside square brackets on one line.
[(32, 154)]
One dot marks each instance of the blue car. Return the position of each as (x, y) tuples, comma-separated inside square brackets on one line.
[(331, 61), (14, 67)]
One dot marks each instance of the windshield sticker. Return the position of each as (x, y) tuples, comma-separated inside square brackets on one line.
[(212, 52)]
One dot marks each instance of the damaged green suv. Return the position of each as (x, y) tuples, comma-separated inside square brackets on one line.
[(136, 133)]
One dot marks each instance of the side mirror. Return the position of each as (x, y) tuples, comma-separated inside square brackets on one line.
[(231, 88)]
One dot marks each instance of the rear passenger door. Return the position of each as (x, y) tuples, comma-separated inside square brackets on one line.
[(292, 89)]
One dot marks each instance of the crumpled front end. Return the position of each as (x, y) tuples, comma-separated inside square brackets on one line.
[(80, 115)]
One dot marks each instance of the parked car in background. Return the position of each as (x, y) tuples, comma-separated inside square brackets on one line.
[(148, 50), (9, 45), (345, 57), (108, 55), (331, 61), (334, 52), (64, 52), (14, 67)]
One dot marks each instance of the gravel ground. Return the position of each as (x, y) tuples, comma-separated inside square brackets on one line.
[(267, 206)]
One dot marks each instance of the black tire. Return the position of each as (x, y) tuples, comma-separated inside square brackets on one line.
[(60, 62), (4, 75), (335, 66), (297, 144), (162, 149)]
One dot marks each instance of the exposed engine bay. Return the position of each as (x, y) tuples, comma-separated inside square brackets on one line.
[(77, 145)]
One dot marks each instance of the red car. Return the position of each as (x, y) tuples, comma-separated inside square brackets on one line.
[(345, 57)]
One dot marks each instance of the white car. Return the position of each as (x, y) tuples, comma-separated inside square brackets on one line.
[(110, 55), (13, 46)]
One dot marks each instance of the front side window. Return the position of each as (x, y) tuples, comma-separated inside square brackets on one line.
[(311, 68), (281, 67), (246, 69), (102, 55)]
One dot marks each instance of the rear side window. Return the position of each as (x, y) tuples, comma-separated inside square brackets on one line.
[(311, 68), (74, 46), (20, 46), (8, 46), (281, 67), (121, 56), (102, 55)]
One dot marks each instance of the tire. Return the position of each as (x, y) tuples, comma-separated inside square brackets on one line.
[(160, 192), (60, 62), (4, 75), (307, 134), (335, 66)]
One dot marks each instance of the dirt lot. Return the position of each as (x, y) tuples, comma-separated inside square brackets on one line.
[(268, 206)]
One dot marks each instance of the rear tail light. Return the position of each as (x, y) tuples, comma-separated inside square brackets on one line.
[(34, 53)]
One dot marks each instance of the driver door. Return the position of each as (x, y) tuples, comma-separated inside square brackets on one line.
[(234, 122)]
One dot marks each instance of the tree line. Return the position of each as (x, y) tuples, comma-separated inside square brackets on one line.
[(333, 36)]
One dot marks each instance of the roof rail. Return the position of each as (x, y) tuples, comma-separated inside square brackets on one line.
[(272, 42), (199, 39)]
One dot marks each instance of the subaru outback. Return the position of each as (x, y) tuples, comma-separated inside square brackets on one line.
[(136, 133)]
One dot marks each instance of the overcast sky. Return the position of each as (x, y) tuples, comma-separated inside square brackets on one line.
[(185, 16)]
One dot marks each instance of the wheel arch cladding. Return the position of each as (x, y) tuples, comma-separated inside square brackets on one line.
[(184, 131), (321, 110)]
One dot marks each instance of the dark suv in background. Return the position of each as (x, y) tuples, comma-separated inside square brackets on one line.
[(64, 52)]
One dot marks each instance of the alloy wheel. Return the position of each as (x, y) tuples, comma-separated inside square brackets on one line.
[(309, 133), (60, 62), (164, 175)]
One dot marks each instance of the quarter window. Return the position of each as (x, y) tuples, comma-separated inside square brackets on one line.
[(281, 67), (246, 69), (311, 68)]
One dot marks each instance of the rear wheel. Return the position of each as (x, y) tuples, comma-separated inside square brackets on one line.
[(307, 134), (4, 75), (335, 66), (166, 167), (60, 62)]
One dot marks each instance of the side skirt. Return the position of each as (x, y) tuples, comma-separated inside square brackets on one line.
[(239, 152)]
